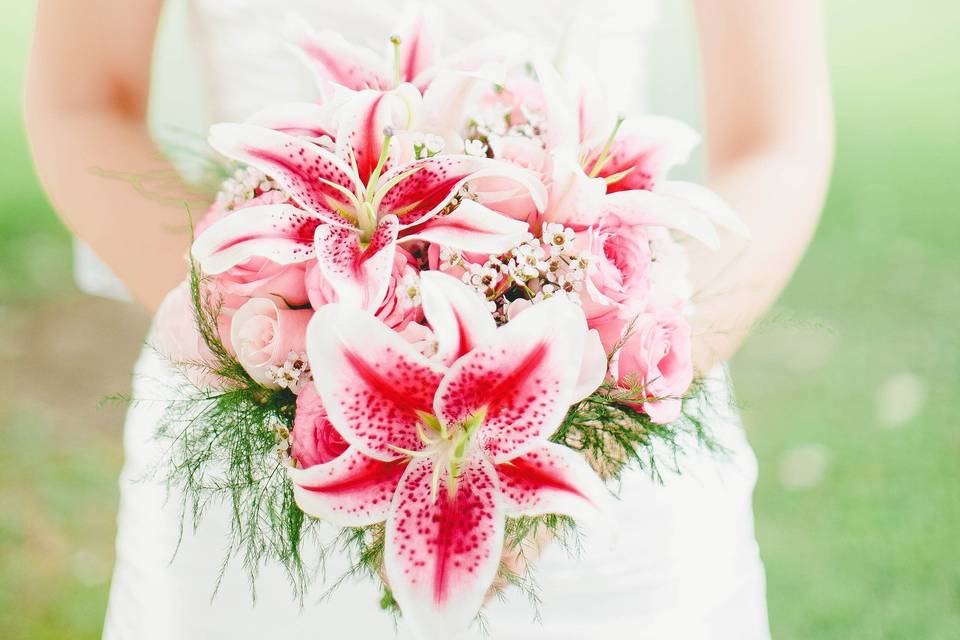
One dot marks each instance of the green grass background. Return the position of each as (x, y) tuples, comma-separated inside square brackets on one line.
[(858, 518)]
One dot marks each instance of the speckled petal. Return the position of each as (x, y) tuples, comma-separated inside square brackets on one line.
[(359, 276), (699, 198), (522, 380), (372, 381), (352, 490), (434, 181), (442, 553), (302, 168), (418, 42), (552, 479), (281, 233)]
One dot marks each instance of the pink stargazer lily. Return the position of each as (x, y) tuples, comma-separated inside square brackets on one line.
[(597, 154), (357, 201), (445, 451), (413, 55), (332, 58)]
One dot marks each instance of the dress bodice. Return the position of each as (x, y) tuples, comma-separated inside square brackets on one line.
[(241, 42), (221, 60)]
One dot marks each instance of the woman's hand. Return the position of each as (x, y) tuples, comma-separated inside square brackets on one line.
[(769, 127)]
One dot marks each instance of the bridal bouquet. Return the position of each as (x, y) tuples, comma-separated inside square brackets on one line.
[(442, 309)]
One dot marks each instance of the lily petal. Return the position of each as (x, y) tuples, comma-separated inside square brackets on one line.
[(352, 490), (418, 43), (593, 368), (447, 101), (562, 129), (422, 188), (574, 196), (458, 317), (706, 202), (363, 121), (552, 479), (644, 150), (374, 382), (650, 208), (471, 227), (281, 233), (313, 176), (306, 119), (359, 276), (490, 56), (442, 551), (521, 381), (332, 59)]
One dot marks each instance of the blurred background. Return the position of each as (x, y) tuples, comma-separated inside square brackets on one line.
[(850, 389)]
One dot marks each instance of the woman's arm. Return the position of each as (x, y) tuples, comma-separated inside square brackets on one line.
[(86, 101), (769, 127)]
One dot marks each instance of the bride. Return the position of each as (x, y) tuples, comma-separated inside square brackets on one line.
[(769, 143)]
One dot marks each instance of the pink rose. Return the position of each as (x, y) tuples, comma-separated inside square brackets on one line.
[(618, 277), (177, 338), (263, 333), (401, 304), (315, 441), (259, 277), (502, 194), (656, 356)]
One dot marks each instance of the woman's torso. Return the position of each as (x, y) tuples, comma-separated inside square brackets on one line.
[(664, 578)]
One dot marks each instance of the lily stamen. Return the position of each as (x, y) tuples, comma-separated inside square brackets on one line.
[(604, 156), (388, 134), (395, 41)]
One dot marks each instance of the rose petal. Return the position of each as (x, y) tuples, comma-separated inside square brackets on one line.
[(284, 330)]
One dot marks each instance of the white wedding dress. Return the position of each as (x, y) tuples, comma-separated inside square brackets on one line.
[(686, 565)]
